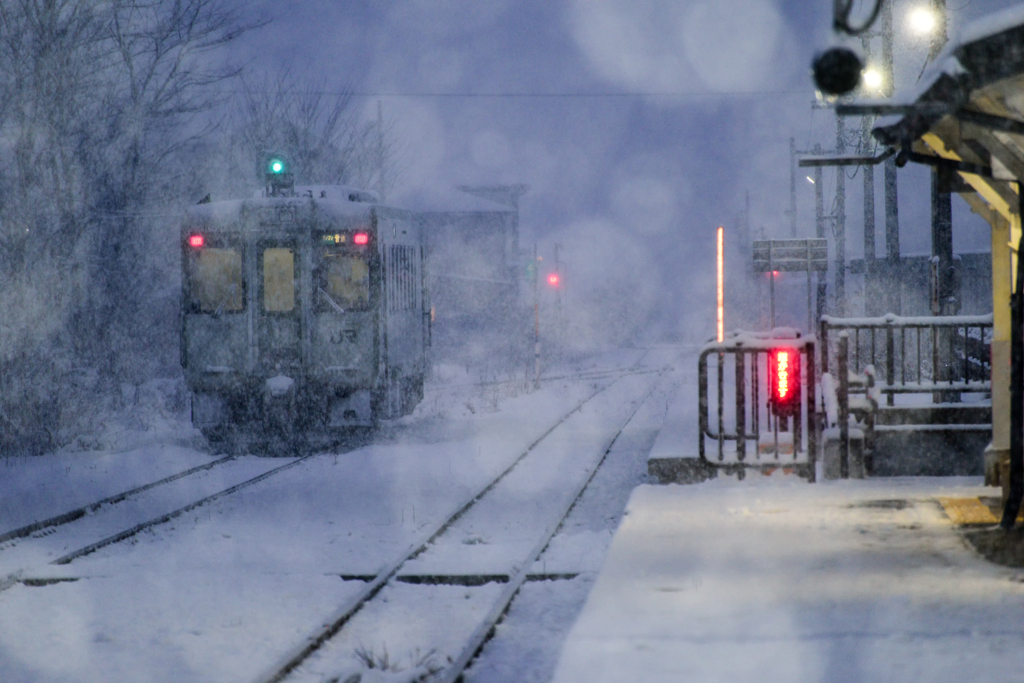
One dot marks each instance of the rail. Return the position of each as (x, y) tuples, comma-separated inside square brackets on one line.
[(744, 406), (946, 356)]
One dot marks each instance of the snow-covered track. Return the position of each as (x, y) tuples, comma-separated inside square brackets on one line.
[(485, 630), (148, 524), (582, 375), (79, 512), (512, 581)]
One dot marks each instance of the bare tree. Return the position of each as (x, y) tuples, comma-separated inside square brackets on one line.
[(97, 101), (318, 131)]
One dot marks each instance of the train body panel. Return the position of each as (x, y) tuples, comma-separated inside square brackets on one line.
[(302, 312)]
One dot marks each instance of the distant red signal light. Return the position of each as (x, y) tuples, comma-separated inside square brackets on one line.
[(784, 369), (196, 241), (360, 238), (554, 280)]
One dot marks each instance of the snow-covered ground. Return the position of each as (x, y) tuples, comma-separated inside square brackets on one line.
[(776, 580), (221, 592)]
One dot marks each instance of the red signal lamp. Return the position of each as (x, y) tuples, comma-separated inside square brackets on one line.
[(784, 371), (554, 279), (196, 241), (361, 238)]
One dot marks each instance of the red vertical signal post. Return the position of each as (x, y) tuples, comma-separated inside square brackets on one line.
[(784, 371)]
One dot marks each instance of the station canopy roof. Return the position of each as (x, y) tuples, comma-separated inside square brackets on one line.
[(968, 110)]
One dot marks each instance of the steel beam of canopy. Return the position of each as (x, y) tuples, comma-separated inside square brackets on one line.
[(933, 110), (846, 160)]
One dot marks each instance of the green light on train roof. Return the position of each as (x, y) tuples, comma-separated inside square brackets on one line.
[(276, 166)]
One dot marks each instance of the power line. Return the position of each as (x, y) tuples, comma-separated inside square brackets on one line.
[(546, 95), (574, 95)]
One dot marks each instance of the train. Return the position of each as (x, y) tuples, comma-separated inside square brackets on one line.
[(303, 310)]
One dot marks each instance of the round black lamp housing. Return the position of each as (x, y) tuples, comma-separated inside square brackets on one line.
[(837, 70)]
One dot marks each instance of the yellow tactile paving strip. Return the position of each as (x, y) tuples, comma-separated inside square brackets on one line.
[(973, 511)]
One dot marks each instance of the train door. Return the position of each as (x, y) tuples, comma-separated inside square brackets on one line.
[(279, 319)]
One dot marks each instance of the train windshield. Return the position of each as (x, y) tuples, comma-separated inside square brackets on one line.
[(215, 280), (278, 280), (343, 282)]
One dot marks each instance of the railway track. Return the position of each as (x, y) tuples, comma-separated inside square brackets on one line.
[(64, 548), (25, 549), (31, 546), (82, 511), (300, 664), (583, 375)]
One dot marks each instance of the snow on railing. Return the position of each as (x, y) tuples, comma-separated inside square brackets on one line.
[(916, 354)]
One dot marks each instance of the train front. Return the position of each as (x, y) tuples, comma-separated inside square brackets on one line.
[(279, 323)]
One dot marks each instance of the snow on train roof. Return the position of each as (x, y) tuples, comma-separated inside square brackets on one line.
[(345, 201), (330, 200)]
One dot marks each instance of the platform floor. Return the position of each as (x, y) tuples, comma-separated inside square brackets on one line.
[(776, 580)]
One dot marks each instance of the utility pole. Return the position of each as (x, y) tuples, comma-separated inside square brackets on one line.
[(536, 321), (819, 231), (840, 218), (792, 187), (558, 288), (893, 272), (380, 150), (871, 303)]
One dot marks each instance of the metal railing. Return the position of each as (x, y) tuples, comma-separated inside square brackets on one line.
[(945, 354), (849, 395), (743, 410)]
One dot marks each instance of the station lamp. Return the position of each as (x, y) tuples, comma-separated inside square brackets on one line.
[(872, 79), (922, 20)]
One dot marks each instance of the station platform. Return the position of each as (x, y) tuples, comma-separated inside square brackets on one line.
[(774, 579)]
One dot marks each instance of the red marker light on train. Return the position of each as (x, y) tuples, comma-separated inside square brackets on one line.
[(195, 241), (554, 279), (360, 238), (784, 369)]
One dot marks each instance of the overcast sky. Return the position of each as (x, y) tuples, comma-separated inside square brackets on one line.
[(639, 125)]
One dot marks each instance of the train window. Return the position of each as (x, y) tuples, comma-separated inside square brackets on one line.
[(343, 282), (215, 280), (278, 280)]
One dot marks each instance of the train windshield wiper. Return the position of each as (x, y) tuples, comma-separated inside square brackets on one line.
[(220, 307), (334, 304)]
